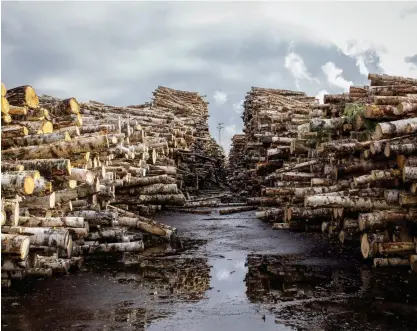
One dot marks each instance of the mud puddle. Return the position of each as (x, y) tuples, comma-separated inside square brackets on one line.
[(234, 274)]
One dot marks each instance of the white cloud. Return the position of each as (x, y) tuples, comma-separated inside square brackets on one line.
[(231, 129), (360, 62), (220, 97), (223, 275), (238, 107), (295, 64), (334, 76), (320, 95)]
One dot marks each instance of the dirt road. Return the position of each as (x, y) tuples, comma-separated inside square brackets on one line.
[(237, 274)]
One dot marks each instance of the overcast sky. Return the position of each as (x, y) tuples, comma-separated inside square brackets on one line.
[(118, 53)]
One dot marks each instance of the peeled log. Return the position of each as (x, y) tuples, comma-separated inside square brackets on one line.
[(354, 203), (15, 244), (64, 149), (23, 96), (3, 90), (17, 183)]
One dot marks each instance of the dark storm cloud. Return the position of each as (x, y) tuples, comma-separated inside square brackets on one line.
[(411, 59), (118, 53)]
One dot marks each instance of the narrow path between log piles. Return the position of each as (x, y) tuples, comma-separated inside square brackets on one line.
[(260, 279)]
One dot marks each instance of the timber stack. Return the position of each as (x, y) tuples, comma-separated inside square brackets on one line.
[(77, 179), (199, 159), (348, 171)]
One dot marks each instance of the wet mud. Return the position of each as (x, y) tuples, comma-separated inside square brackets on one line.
[(225, 272)]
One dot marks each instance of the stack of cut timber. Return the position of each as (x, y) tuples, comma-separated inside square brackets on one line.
[(236, 167), (73, 173), (357, 177), (199, 159)]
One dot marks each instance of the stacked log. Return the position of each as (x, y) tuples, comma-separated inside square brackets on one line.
[(77, 178), (348, 170)]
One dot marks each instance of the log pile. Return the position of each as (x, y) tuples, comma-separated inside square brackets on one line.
[(77, 178), (346, 167)]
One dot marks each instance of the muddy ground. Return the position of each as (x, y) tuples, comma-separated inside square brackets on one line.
[(236, 274)]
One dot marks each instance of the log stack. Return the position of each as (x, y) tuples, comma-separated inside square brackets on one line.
[(347, 169), (78, 178)]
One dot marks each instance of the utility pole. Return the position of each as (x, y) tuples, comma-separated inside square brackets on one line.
[(220, 127)]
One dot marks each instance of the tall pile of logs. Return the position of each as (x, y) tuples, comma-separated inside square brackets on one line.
[(77, 178), (346, 167)]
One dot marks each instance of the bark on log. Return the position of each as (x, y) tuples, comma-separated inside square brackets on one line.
[(355, 203), (16, 245), (50, 237), (14, 183), (60, 149), (23, 96)]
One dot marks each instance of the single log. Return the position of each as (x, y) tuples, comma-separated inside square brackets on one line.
[(147, 225), (391, 196), (37, 127), (400, 149), (156, 199), (396, 247), (152, 189), (394, 128), (93, 217), (236, 210), (146, 181), (409, 174), (15, 245), (369, 244), (13, 131), (3, 90), (62, 149), (391, 262), (35, 139), (13, 183), (407, 199), (59, 107), (44, 202), (355, 203), (58, 238), (306, 213), (20, 111), (70, 222), (23, 96), (81, 175), (406, 107), (323, 124), (133, 247)]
